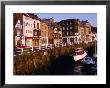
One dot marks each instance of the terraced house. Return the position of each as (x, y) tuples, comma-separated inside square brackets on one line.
[(29, 33), (70, 29), (44, 33), (51, 24), (32, 31), (75, 31), (57, 35), (18, 37)]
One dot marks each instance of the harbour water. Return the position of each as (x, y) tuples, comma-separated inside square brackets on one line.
[(65, 65)]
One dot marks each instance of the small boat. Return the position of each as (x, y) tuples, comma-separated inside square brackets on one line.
[(79, 54)]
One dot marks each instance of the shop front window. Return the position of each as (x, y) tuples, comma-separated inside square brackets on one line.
[(27, 43)]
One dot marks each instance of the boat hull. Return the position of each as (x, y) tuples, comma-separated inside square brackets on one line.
[(79, 57)]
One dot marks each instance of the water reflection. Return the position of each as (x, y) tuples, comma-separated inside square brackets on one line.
[(63, 66)]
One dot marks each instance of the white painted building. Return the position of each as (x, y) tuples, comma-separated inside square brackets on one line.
[(19, 36), (37, 33), (77, 38), (28, 30), (57, 36), (29, 25)]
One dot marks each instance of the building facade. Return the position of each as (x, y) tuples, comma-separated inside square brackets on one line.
[(36, 32), (27, 31), (87, 30), (31, 31), (51, 24), (18, 36), (57, 35), (69, 29), (44, 33)]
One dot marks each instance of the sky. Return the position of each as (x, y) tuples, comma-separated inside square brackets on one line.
[(91, 17)]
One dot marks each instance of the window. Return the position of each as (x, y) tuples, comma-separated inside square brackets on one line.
[(70, 27), (71, 33), (34, 25), (75, 23), (37, 25), (63, 28), (35, 33), (67, 28), (60, 29), (63, 24), (70, 23), (67, 33), (18, 33), (30, 32), (76, 27), (27, 24)]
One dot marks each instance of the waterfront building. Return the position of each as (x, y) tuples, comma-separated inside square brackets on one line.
[(70, 27), (51, 24), (44, 33), (87, 30), (18, 37), (31, 29), (26, 30), (57, 35)]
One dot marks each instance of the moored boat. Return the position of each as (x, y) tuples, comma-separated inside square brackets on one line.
[(79, 54)]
